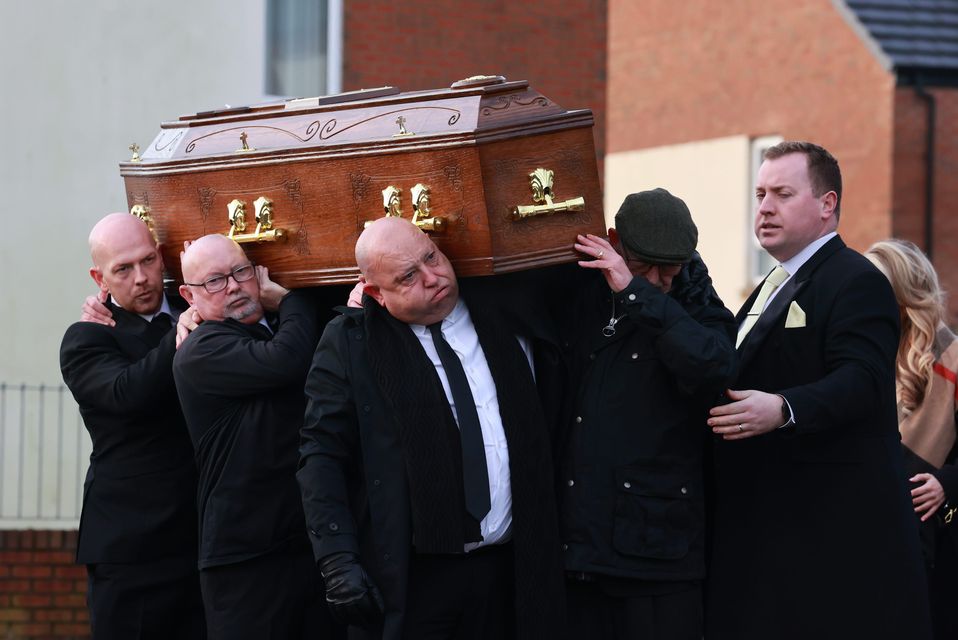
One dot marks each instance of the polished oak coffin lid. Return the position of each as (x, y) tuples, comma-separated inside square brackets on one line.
[(501, 176)]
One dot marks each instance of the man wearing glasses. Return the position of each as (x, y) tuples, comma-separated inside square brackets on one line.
[(240, 384)]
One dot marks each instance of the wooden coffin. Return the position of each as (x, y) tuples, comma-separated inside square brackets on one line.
[(501, 177)]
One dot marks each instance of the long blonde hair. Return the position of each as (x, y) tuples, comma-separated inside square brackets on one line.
[(921, 302)]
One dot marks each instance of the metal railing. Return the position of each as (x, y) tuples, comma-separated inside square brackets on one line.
[(44, 454)]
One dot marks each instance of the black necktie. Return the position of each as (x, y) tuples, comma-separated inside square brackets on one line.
[(475, 477)]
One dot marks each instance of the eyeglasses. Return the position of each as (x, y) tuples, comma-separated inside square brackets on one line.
[(643, 267), (215, 284)]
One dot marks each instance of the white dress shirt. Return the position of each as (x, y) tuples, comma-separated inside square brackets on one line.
[(460, 333)]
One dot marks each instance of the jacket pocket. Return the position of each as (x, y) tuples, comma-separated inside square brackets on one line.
[(653, 513)]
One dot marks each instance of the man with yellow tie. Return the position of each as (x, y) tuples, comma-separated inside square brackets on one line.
[(813, 535)]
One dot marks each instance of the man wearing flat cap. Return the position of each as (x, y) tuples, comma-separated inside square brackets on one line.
[(651, 347)]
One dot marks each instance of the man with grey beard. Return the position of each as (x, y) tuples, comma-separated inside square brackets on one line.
[(240, 384)]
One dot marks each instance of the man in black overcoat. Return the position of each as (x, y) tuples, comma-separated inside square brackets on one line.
[(240, 382), (138, 524), (814, 534), (417, 533)]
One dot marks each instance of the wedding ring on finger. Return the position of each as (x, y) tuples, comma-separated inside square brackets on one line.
[(599, 255), (741, 429)]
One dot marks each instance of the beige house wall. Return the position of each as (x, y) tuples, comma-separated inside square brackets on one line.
[(713, 177)]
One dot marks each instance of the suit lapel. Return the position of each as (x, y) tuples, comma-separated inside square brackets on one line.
[(131, 324), (775, 312)]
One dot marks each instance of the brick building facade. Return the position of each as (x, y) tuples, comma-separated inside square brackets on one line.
[(559, 46), (839, 73), (42, 593)]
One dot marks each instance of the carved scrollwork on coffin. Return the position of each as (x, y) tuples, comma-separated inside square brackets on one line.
[(504, 102), (454, 176), (311, 130), (330, 130), (293, 191), (359, 184), (206, 202), (164, 142)]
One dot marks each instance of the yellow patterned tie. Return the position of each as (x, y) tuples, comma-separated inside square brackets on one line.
[(772, 282)]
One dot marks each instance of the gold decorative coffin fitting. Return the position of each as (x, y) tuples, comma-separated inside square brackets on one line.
[(475, 165)]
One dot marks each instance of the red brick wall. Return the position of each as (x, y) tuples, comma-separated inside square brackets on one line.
[(42, 593), (559, 46), (698, 69), (909, 182)]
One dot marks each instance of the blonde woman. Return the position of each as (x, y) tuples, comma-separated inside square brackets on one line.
[(926, 373)]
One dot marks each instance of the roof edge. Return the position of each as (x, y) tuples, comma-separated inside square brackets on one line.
[(925, 77), (864, 35)]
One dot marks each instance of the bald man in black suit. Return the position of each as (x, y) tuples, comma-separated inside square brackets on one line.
[(138, 524)]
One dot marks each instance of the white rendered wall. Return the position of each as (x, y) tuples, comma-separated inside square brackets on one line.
[(79, 82)]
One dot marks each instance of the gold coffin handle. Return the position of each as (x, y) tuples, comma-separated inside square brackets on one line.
[(142, 212), (541, 181), (264, 232), (422, 214)]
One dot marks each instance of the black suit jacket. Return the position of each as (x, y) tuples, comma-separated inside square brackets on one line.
[(139, 495), (814, 535), (241, 388)]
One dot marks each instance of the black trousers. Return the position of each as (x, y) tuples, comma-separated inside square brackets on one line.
[(943, 586), (149, 600), (272, 597), (462, 597), (634, 610)]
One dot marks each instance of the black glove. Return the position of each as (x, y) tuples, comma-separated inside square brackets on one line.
[(693, 285), (351, 595)]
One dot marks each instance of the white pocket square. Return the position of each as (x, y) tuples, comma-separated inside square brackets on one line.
[(796, 317)]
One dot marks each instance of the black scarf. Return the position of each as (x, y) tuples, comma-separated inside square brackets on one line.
[(427, 430)]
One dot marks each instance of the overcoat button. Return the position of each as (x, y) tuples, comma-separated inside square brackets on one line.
[(578, 419), (366, 408), (571, 483), (631, 296), (635, 356), (684, 491), (377, 482), (627, 485), (333, 526)]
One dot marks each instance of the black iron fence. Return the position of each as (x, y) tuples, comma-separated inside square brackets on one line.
[(44, 453)]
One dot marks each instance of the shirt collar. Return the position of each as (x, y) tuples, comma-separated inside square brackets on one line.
[(793, 264), (263, 322), (164, 308), (458, 313)]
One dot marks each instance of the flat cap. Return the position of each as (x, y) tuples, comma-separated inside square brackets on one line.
[(656, 227)]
